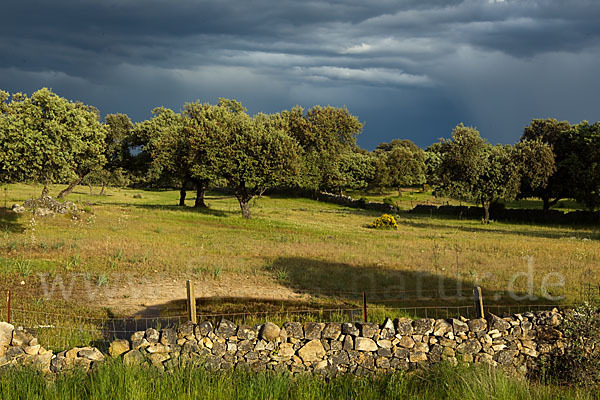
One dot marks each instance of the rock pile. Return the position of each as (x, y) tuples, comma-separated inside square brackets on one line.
[(45, 206)]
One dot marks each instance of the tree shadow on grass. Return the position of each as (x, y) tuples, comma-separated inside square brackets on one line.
[(197, 210), (333, 291), (389, 287), (159, 207), (425, 222), (9, 221)]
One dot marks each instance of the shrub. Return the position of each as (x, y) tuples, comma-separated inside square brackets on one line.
[(386, 221), (390, 202), (362, 202), (137, 196), (579, 364)]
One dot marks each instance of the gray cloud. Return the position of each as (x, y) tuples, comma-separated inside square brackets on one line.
[(412, 68)]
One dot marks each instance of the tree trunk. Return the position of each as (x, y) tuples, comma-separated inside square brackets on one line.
[(200, 191), (549, 203), (91, 189), (45, 191), (546, 203), (245, 206), (244, 199), (102, 190), (486, 212), (67, 191), (182, 194), (399, 191)]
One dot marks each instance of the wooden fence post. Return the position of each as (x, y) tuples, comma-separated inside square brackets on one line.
[(8, 301), (191, 301), (478, 302), (364, 304)]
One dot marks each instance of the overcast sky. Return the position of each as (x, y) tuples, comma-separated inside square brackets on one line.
[(407, 68)]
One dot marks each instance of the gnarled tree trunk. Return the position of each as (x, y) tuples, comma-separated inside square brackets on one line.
[(200, 192), (244, 198), (182, 194), (486, 212), (549, 203), (67, 191)]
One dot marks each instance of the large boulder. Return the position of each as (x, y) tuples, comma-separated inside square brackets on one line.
[(269, 332)]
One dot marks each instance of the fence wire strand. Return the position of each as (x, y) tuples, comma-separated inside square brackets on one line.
[(62, 330)]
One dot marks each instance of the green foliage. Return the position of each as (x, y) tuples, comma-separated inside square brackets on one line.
[(433, 160), (325, 135), (46, 138), (390, 201), (362, 202), (399, 164), (252, 154), (538, 163), (118, 131), (164, 146), (576, 171), (357, 169), (583, 163), (386, 221), (554, 134), (472, 168)]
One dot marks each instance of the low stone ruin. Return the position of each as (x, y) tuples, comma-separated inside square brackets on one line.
[(45, 206)]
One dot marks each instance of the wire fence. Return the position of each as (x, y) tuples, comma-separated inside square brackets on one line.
[(62, 328)]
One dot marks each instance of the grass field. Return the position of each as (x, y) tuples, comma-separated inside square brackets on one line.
[(114, 381), (131, 251)]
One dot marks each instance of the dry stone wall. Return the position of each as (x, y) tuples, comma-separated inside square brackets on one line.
[(515, 343), (513, 214)]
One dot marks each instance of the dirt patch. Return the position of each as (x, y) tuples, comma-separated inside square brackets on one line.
[(152, 298)]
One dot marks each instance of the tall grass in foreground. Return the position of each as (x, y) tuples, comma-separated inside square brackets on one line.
[(115, 381)]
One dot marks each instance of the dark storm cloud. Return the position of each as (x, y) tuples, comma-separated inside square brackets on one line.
[(412, 68)]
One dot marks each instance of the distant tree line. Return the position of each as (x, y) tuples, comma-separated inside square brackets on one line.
[(48, 139)]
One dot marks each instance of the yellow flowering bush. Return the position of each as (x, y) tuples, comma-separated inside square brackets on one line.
[(386, 221)]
